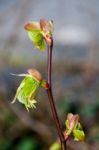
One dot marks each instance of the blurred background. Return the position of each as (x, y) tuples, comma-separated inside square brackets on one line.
[(75, 72)]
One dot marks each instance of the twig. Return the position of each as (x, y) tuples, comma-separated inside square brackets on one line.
[(50, 97)]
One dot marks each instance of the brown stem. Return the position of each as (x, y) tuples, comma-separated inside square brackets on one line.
[(50, 97)]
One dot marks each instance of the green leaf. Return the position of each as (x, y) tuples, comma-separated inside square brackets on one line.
[(67, 124), (26, 92), (37, 38), (78, 135), (55, 146), (27, 143), (79, 127)]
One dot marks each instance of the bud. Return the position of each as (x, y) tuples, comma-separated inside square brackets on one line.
[(47, 29), (44, 84), (72, 121), (73, 126), (46, 26)]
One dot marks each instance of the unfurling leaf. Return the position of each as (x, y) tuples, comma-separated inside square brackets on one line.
[(27, 90), (78, 135), (79, 127), (73, 126), (37, 39), (71, 121), (40, 32)]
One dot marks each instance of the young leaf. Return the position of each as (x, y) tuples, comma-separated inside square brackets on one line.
[(79, 127), (37, 39), (26, 92), (67, 124), (78, 135), (40, 33)]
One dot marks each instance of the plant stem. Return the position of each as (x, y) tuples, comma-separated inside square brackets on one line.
[(50, 97)]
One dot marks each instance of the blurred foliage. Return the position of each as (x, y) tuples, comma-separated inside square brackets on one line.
[(55, 146), (5, 145), (16, 134), (28, 144)]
